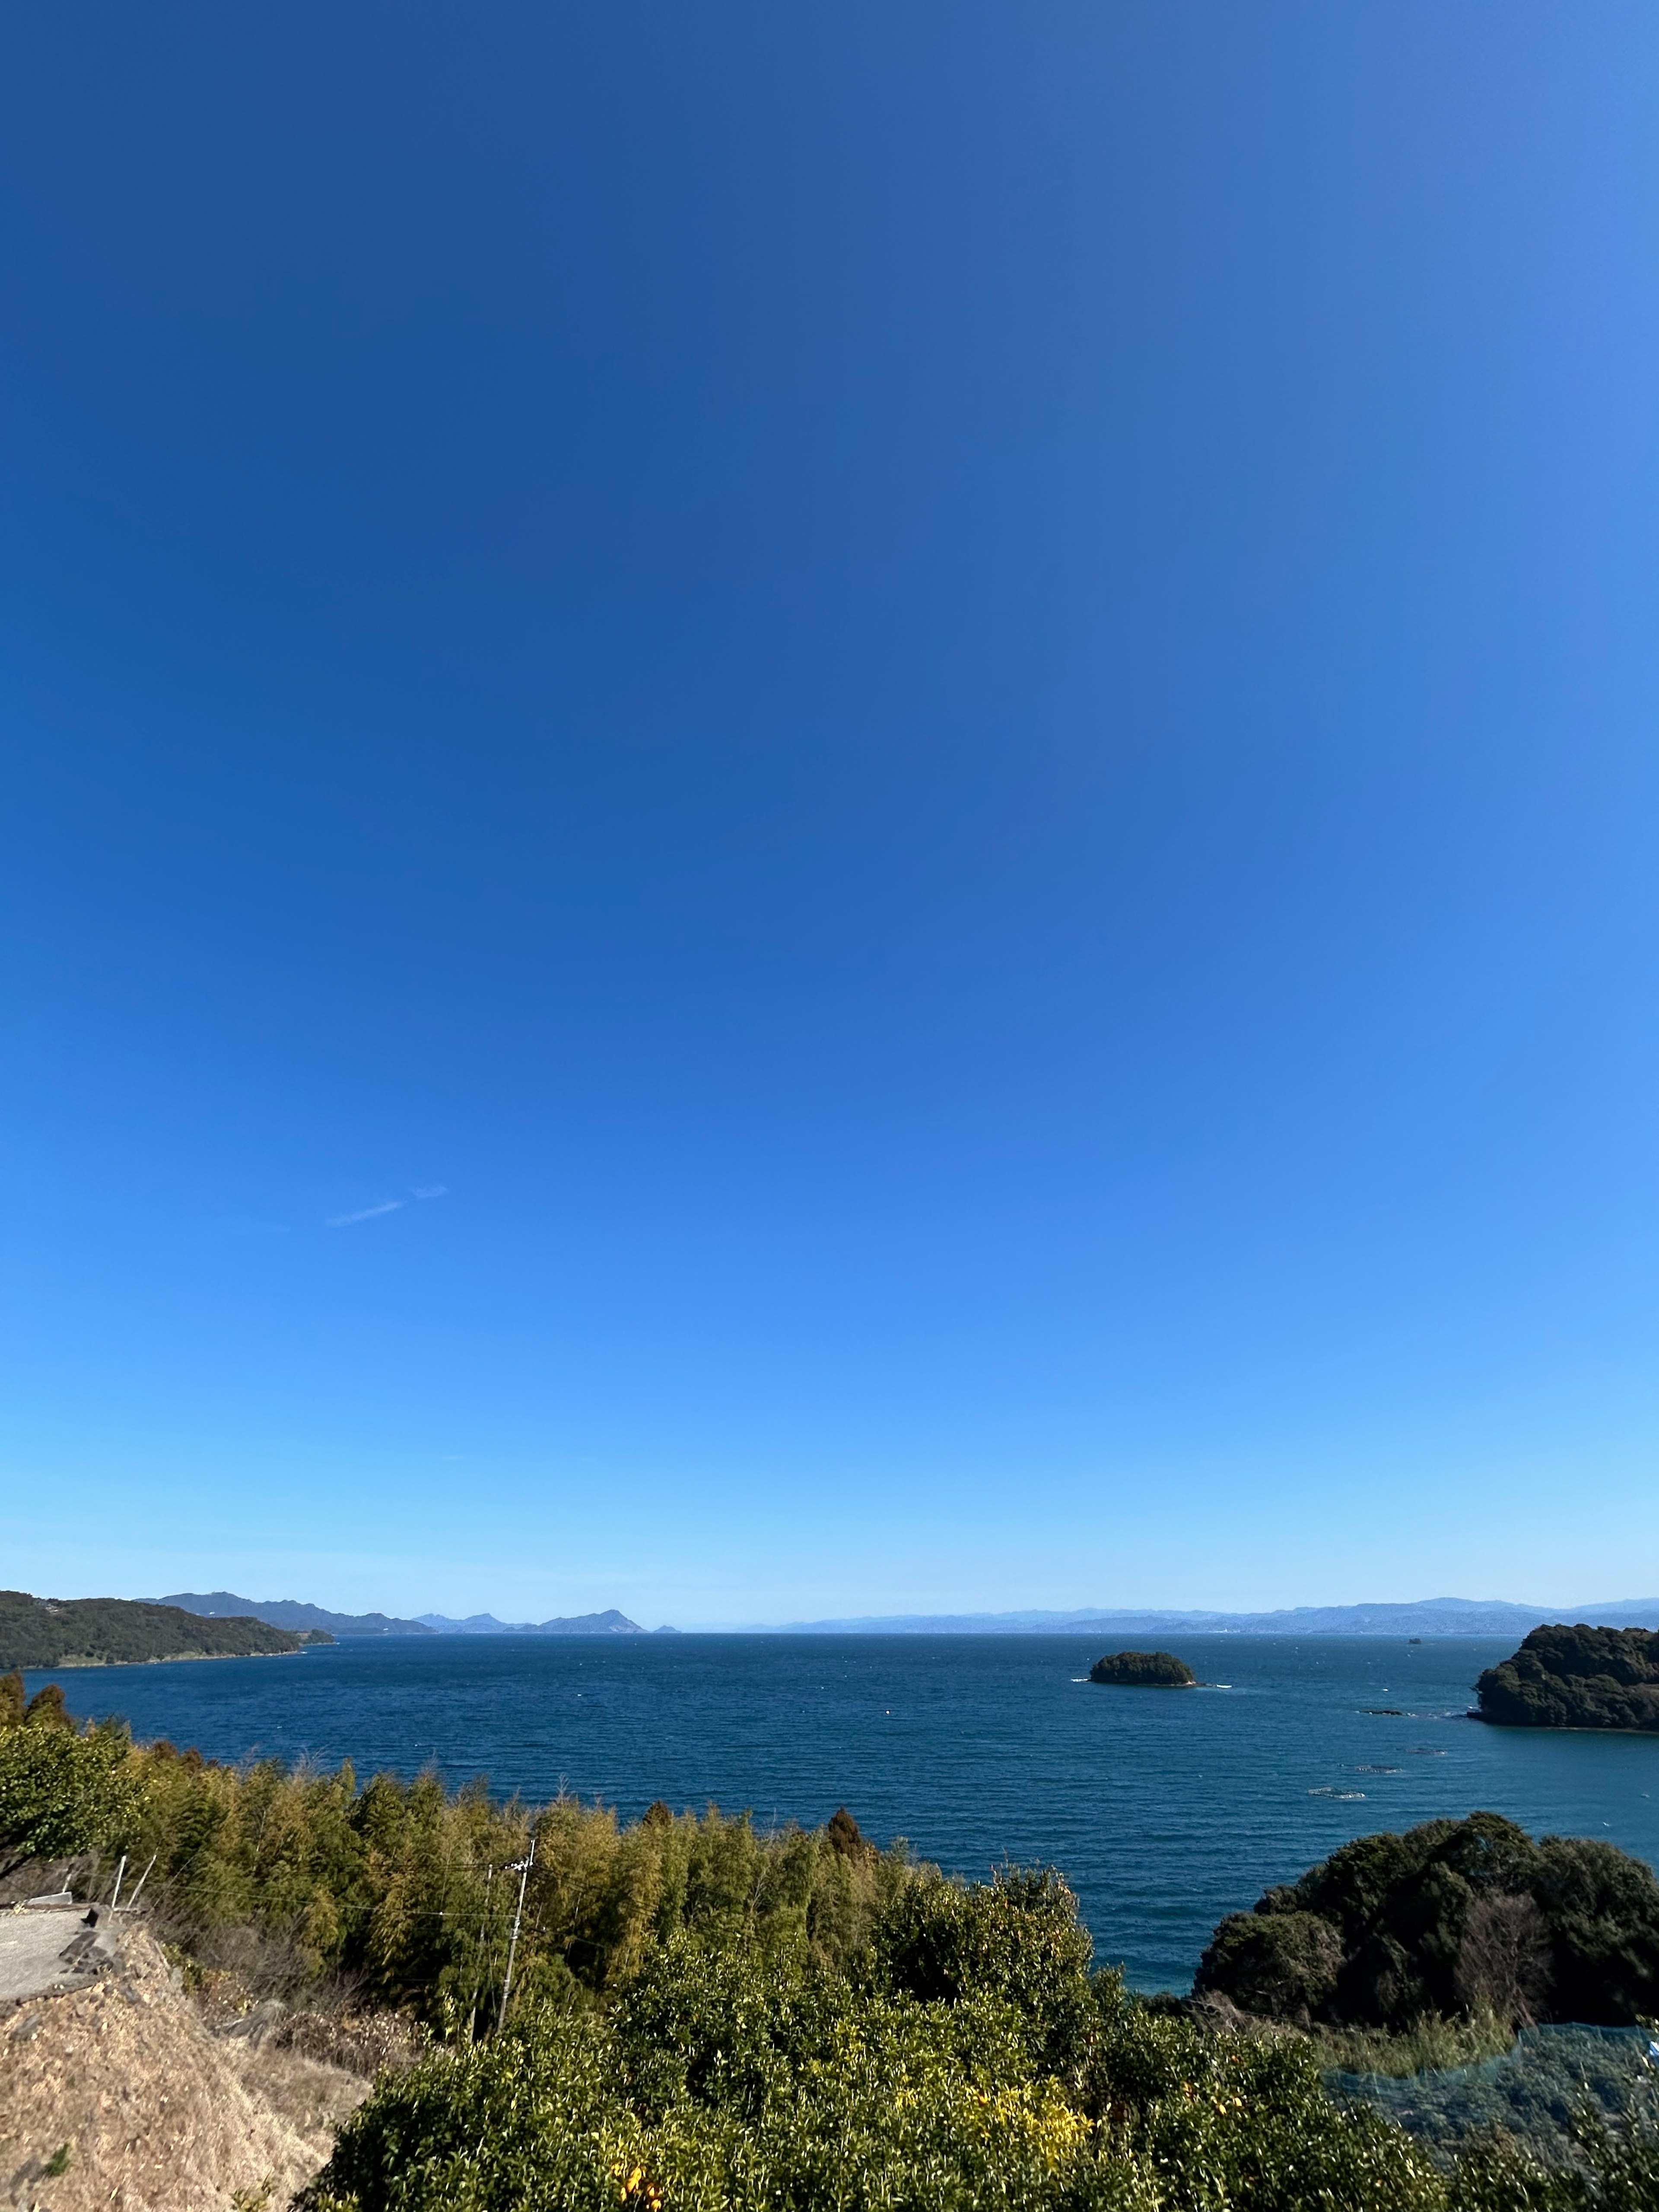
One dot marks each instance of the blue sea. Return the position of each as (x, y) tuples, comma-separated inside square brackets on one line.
[(1164, 1810)]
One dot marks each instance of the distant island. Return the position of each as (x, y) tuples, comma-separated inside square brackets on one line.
[(610, 1623), (116, 1631), (1576, 1678), (1422, 1617), (1144, 1670)]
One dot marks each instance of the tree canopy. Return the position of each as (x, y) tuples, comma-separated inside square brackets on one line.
[(1453, 1916)]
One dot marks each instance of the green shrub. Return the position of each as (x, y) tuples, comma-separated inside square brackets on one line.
[(727, 2080), (63, 1791)]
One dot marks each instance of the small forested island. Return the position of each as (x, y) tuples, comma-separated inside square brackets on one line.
[(1577, 1678), (113, 1631), (1144, 1670)]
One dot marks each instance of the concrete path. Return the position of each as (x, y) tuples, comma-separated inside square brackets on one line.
[(50, 1949)]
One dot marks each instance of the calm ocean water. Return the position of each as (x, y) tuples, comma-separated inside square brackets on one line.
[(1163, 1809)]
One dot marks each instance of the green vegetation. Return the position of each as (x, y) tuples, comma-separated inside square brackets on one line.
[(725, 2079), (1453, 1919), (402, 1890), (1144, 1670), (706, 2018), (61, 1792), (1431, 2044), (93, 1632), (1585, 1678)]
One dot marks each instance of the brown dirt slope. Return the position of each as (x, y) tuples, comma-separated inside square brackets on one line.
[(120, 2089)]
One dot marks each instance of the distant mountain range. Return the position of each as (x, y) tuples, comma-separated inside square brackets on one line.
[(288, 1612), (582, 1624), (1433, 1616)]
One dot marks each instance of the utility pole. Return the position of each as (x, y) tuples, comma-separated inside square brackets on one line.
[(521, 1867)]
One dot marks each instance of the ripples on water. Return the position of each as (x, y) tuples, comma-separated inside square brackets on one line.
[(1164, 1808)]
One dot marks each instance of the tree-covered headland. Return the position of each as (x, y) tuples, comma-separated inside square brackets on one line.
[(708, 2018), (101, 1632), (1578, 1678)]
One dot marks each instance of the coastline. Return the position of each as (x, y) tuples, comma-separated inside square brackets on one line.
[(159, 1659), (1555, 1728)]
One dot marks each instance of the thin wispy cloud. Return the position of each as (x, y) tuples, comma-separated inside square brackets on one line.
[(387, 1205)]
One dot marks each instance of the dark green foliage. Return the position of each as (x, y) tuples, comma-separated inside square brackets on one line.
[(1601, 1678), (1602, 1909), (11, 1699), (1144, 1670), (1454, 1917), (47, 1708), (842, 1835), (37, 1631), (1283, 1965)]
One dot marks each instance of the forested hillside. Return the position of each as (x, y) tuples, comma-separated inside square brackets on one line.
[(92, 1632)]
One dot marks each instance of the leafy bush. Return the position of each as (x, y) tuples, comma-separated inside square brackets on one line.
[(62, 1792), (725, 2080), (1284, 1966)]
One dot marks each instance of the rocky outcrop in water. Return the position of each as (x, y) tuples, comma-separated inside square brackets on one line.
[(1577, 1678)]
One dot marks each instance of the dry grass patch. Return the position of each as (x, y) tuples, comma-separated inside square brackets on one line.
[(115, 2097)]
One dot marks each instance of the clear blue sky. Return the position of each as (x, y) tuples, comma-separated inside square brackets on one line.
[(945, 712)]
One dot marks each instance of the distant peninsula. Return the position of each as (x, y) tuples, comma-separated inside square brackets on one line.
[(116, 1631), (289, 1612), (1144, 1670), (1577, 1678)]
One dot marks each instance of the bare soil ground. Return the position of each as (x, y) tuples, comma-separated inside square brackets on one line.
[(116, 2096)]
